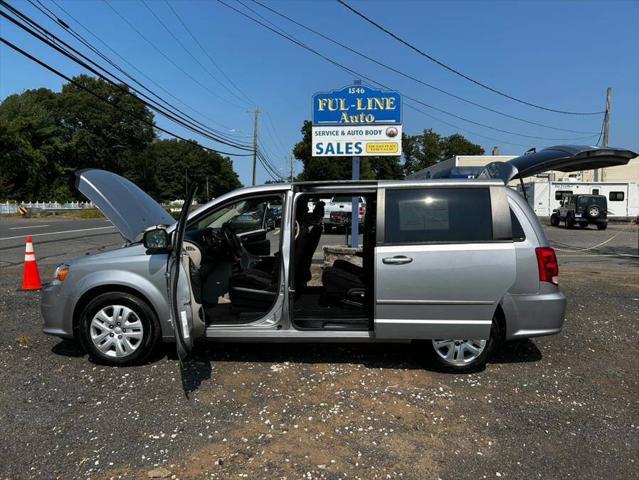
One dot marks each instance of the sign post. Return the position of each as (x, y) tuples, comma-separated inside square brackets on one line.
[(355, 208), (356, 121), (355, 200)]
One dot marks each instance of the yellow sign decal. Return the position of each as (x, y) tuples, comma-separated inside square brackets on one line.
[(382, 147)]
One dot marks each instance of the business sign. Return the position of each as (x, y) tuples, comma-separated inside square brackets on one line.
[(357, 121), (357, 105), (358, 140)]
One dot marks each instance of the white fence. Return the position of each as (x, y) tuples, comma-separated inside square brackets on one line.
[(12, 207)]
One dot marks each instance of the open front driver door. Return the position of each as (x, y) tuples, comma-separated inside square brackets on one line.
[(186, 317)]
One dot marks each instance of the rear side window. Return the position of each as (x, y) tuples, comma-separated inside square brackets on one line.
[(616, 196), (518, 231), (434, 215)]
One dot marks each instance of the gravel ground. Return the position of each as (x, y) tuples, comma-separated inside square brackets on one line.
[(557, 407)]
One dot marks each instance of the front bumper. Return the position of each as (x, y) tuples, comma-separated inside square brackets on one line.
[(57, 311), (534, 315)]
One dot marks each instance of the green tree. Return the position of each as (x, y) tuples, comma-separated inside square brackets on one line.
[(46, 136), (340, 168), (426, 149), (99, 135), (166, 167), (31, 147)]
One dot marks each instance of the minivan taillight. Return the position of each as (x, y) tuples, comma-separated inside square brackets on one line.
[(547, 263)]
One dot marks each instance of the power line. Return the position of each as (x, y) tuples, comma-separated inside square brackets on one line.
[(52, 16), (152, 105), (457, 72), (406, 75), (167, 57), (270, 170), (271, 131), (131, 65), (353, 72), (179, 42), (105, 100), (213, 62)]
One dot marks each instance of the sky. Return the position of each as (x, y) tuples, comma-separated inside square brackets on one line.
[(560, 54)]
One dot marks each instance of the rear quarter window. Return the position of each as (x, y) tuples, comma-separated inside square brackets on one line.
[(437, 215), (518, 231)]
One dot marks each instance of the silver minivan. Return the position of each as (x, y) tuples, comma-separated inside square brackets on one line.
[(456, 264)]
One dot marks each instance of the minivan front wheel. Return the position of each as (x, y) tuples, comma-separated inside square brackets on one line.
[(117, 328), (464, 355)]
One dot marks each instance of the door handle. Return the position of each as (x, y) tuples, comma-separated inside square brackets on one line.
[(397, 260)]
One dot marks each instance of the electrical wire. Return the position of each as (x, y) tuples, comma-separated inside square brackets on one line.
[(213, 62), (152, 105), (53, 17), (82, 39), (188, 52), (168, 58), (270, 170), (271, 126), (406, 75), (106, 100), (457, 72), (353, 72)]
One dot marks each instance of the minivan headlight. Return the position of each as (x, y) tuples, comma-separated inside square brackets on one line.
[(61, 272)]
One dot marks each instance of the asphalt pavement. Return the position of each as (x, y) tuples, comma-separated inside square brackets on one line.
[(55, 239), (555, 407)]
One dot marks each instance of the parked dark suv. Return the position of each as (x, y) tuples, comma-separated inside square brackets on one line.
[(581, 210)]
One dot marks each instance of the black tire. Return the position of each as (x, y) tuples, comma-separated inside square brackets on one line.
[(570, 223), (477, 364), (146, 315), (583, 224), (554, 220), (602, 226)]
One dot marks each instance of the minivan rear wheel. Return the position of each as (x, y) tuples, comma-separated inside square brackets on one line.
[(464, 355), (117, 328)]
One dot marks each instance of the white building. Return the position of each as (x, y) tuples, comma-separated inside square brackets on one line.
[(622, 197)]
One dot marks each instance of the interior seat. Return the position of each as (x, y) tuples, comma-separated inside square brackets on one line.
[(306, 244), (344, 282)]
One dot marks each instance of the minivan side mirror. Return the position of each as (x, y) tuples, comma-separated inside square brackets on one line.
[(156, 240)]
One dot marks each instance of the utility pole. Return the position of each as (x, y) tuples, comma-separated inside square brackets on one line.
[(355, 200), (255, 115), (207, 189), (290, 158), (606, 130)]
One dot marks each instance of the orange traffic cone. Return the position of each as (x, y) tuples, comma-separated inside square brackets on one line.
[(30, 275)]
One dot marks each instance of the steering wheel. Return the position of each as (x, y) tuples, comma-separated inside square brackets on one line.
[(233, 243)]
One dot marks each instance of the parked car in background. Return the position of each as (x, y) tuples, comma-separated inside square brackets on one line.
[(273, 218), (338, 212), (582, 210), (455, 265)]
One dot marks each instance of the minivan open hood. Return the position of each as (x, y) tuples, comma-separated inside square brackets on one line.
[(565, 158), (129, 209)]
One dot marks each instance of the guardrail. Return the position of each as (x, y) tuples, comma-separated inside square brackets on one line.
[(13, 207)]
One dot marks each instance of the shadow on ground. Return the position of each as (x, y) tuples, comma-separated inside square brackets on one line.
[(198, 367)]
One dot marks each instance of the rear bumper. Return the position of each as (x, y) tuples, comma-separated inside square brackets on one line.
[(534, 315), (57, 311)]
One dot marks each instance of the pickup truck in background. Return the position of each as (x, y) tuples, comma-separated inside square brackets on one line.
[(338, 212)]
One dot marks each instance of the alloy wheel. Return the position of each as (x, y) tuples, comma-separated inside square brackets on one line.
[(459, 352)]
